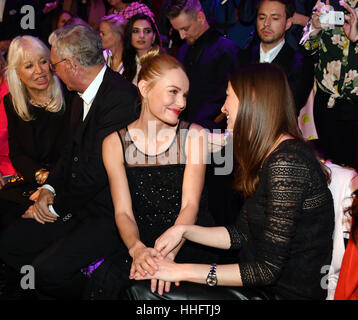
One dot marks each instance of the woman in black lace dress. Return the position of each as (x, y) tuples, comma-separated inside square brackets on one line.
[(286, 224), (156, 168)]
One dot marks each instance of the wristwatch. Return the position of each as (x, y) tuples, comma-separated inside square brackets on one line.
[(211, 279)]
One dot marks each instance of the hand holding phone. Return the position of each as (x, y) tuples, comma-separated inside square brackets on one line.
[(332, 18)]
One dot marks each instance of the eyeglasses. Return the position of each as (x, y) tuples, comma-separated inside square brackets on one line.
[(53, 65)]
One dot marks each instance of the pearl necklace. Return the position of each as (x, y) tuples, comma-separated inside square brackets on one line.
[(40, 105)]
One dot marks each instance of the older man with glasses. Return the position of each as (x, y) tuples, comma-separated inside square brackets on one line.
[(71, 222)]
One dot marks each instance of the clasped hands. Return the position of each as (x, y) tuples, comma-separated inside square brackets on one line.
[(39, 210), (157, 264)]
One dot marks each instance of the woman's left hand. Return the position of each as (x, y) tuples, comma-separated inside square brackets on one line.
[(169, 240), (143, 261), (168, 271), (162, 284)]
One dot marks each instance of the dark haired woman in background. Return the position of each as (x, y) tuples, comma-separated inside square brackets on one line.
[(140, 37)]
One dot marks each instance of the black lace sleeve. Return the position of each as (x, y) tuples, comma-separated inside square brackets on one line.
[(236, 237), (286, 179), (238, 231)]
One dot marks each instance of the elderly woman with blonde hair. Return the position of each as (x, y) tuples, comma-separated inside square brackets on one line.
[(37, 122)]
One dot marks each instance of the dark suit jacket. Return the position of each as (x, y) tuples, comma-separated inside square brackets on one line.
[(299, 69), (208, 64), (80, 179), (248, 12)]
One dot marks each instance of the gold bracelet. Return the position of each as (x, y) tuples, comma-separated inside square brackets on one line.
[(38, 175)]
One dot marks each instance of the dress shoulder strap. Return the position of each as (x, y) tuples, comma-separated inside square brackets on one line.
[(125, 140)]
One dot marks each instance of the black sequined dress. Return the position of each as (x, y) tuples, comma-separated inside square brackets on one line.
[(155, 184)]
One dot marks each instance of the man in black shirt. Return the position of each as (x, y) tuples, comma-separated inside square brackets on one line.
[(208, 58)]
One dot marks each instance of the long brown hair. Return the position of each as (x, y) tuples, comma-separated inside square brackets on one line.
[(266, 110)]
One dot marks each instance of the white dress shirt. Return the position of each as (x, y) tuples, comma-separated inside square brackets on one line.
[(87, 96), (90, 93), (270, 55)]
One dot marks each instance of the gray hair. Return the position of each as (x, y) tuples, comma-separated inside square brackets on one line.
[(18, 91), (117, 23), (78, 42)]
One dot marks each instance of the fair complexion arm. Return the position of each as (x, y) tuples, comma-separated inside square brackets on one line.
[(194, 175), (216, 237), (114, 163), (227, 275), (193, 182)]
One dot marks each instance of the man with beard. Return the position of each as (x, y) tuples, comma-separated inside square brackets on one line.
[(274, 19)]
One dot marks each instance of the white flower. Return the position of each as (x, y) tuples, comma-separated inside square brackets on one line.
[(335, 39), (334, 69), (350, 76)]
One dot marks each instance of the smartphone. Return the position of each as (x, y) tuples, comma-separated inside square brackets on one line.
[(332, 17)]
